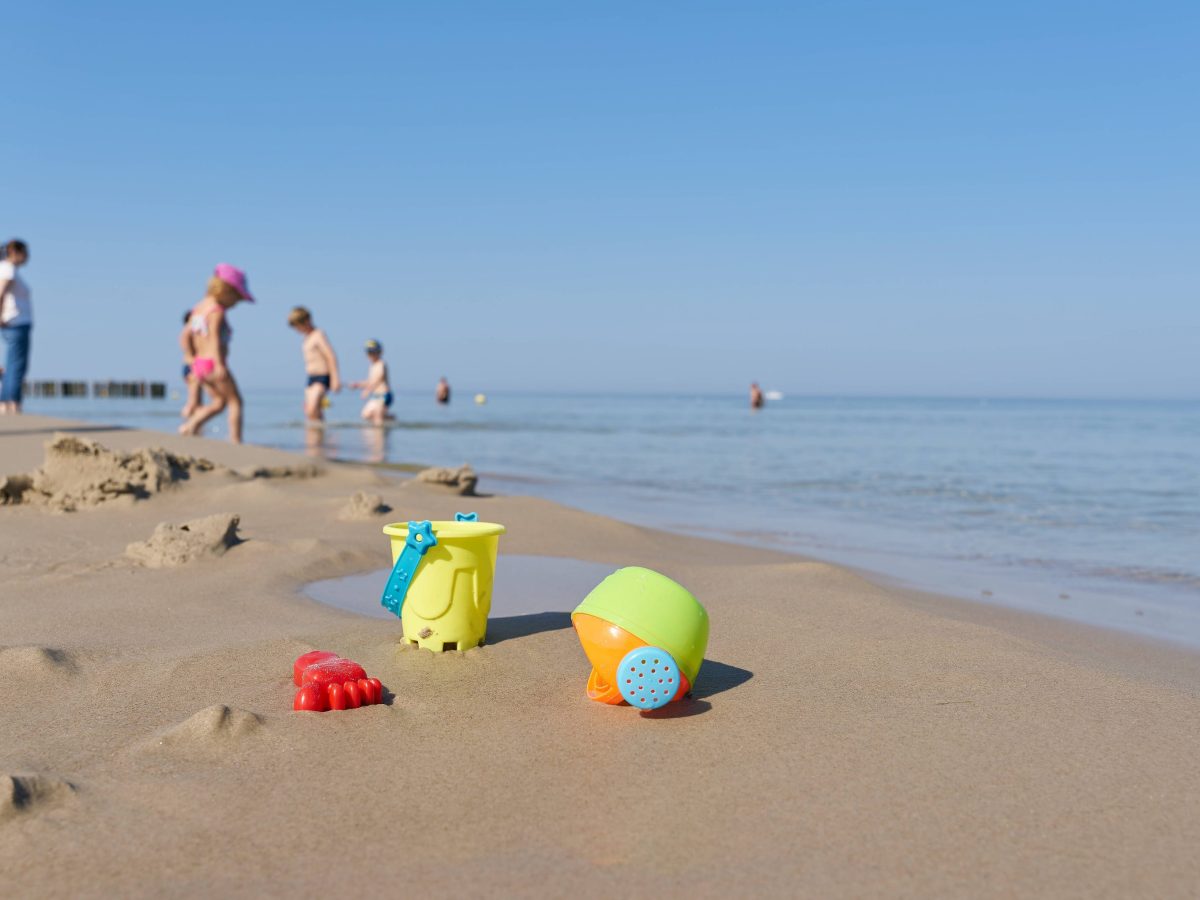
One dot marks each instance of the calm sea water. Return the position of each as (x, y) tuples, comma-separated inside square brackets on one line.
[(1082, 509)]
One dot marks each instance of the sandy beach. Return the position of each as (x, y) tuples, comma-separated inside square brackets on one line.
[(844, 738)]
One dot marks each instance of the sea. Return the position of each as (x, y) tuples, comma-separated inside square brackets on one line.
[(1081, 509)]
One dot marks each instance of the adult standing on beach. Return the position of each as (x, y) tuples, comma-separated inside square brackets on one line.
[(16, 324), (210, 336)]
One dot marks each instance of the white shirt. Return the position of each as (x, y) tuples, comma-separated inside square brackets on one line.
[(16, 308)]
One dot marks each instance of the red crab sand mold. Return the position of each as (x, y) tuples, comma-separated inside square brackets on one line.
[(327, 681)]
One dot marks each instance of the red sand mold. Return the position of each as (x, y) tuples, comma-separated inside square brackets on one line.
[(328, 681)]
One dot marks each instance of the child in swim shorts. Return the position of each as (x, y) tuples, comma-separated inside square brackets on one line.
[(320, 364), (375, 390)]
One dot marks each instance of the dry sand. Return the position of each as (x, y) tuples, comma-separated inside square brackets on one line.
[(845, 739)]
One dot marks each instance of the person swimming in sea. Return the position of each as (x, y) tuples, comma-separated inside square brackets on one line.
[(375, 389), (320, 364)]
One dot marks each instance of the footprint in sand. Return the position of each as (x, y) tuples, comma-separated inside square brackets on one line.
[(26, 792), (213, 729), (31, 665)]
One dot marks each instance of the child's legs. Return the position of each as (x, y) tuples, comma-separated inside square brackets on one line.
[(373, 411), (313, 395), (234, 399), (220, 391), (195, 397)]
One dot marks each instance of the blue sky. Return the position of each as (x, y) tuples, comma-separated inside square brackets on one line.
[(900, 198)]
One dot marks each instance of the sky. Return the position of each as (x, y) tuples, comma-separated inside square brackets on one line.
[(937, 198)]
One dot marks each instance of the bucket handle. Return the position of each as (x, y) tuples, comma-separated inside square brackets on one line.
[(420, 538), (466, 517)]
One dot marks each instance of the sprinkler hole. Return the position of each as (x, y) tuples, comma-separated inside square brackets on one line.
[(643, 662)]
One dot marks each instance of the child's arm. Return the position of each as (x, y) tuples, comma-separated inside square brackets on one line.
[(186, 345), (215, 325), (335, 380)]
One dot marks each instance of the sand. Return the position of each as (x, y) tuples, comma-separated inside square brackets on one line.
[(844, 739)]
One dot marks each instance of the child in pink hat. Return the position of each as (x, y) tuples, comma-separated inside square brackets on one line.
[(207, 342)]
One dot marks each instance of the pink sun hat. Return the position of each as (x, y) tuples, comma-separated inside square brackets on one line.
[(234, 276)]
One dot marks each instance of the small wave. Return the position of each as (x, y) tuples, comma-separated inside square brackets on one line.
[(495, 427), (1148, 575), (1129, 573)]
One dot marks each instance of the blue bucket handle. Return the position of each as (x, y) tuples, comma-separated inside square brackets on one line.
[(420, 538)]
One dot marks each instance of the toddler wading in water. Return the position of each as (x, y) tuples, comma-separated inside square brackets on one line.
[(320, 364), (206, 342), (375, 390)]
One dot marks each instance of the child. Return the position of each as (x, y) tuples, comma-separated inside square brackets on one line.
[(320, 364), (208, 341), (375, 390), (195, 390)]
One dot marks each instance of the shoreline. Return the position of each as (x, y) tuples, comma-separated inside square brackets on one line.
[(1024, 621), (1061, 544), (845, 737)]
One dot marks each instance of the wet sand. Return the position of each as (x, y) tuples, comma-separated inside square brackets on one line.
[(844, 739)]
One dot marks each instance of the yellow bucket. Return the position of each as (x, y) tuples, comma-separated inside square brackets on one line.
[(449, 593)]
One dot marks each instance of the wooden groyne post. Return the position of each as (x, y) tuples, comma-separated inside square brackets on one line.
[(155, 390)]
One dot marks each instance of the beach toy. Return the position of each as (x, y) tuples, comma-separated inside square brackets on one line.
[(441, 580), (645, 637), (328, 681)]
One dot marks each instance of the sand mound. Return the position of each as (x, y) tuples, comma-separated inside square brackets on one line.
[(174, 545), (35, 665), (364, 506), (78, 473), (461, 480), (22, 792), (212, 727), (13, 488)]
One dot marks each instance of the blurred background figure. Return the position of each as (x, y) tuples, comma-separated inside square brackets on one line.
[(756, 396), (16, 324), (375, 389), (443, 391), (209, 345), (320, 365), (195, 389)]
